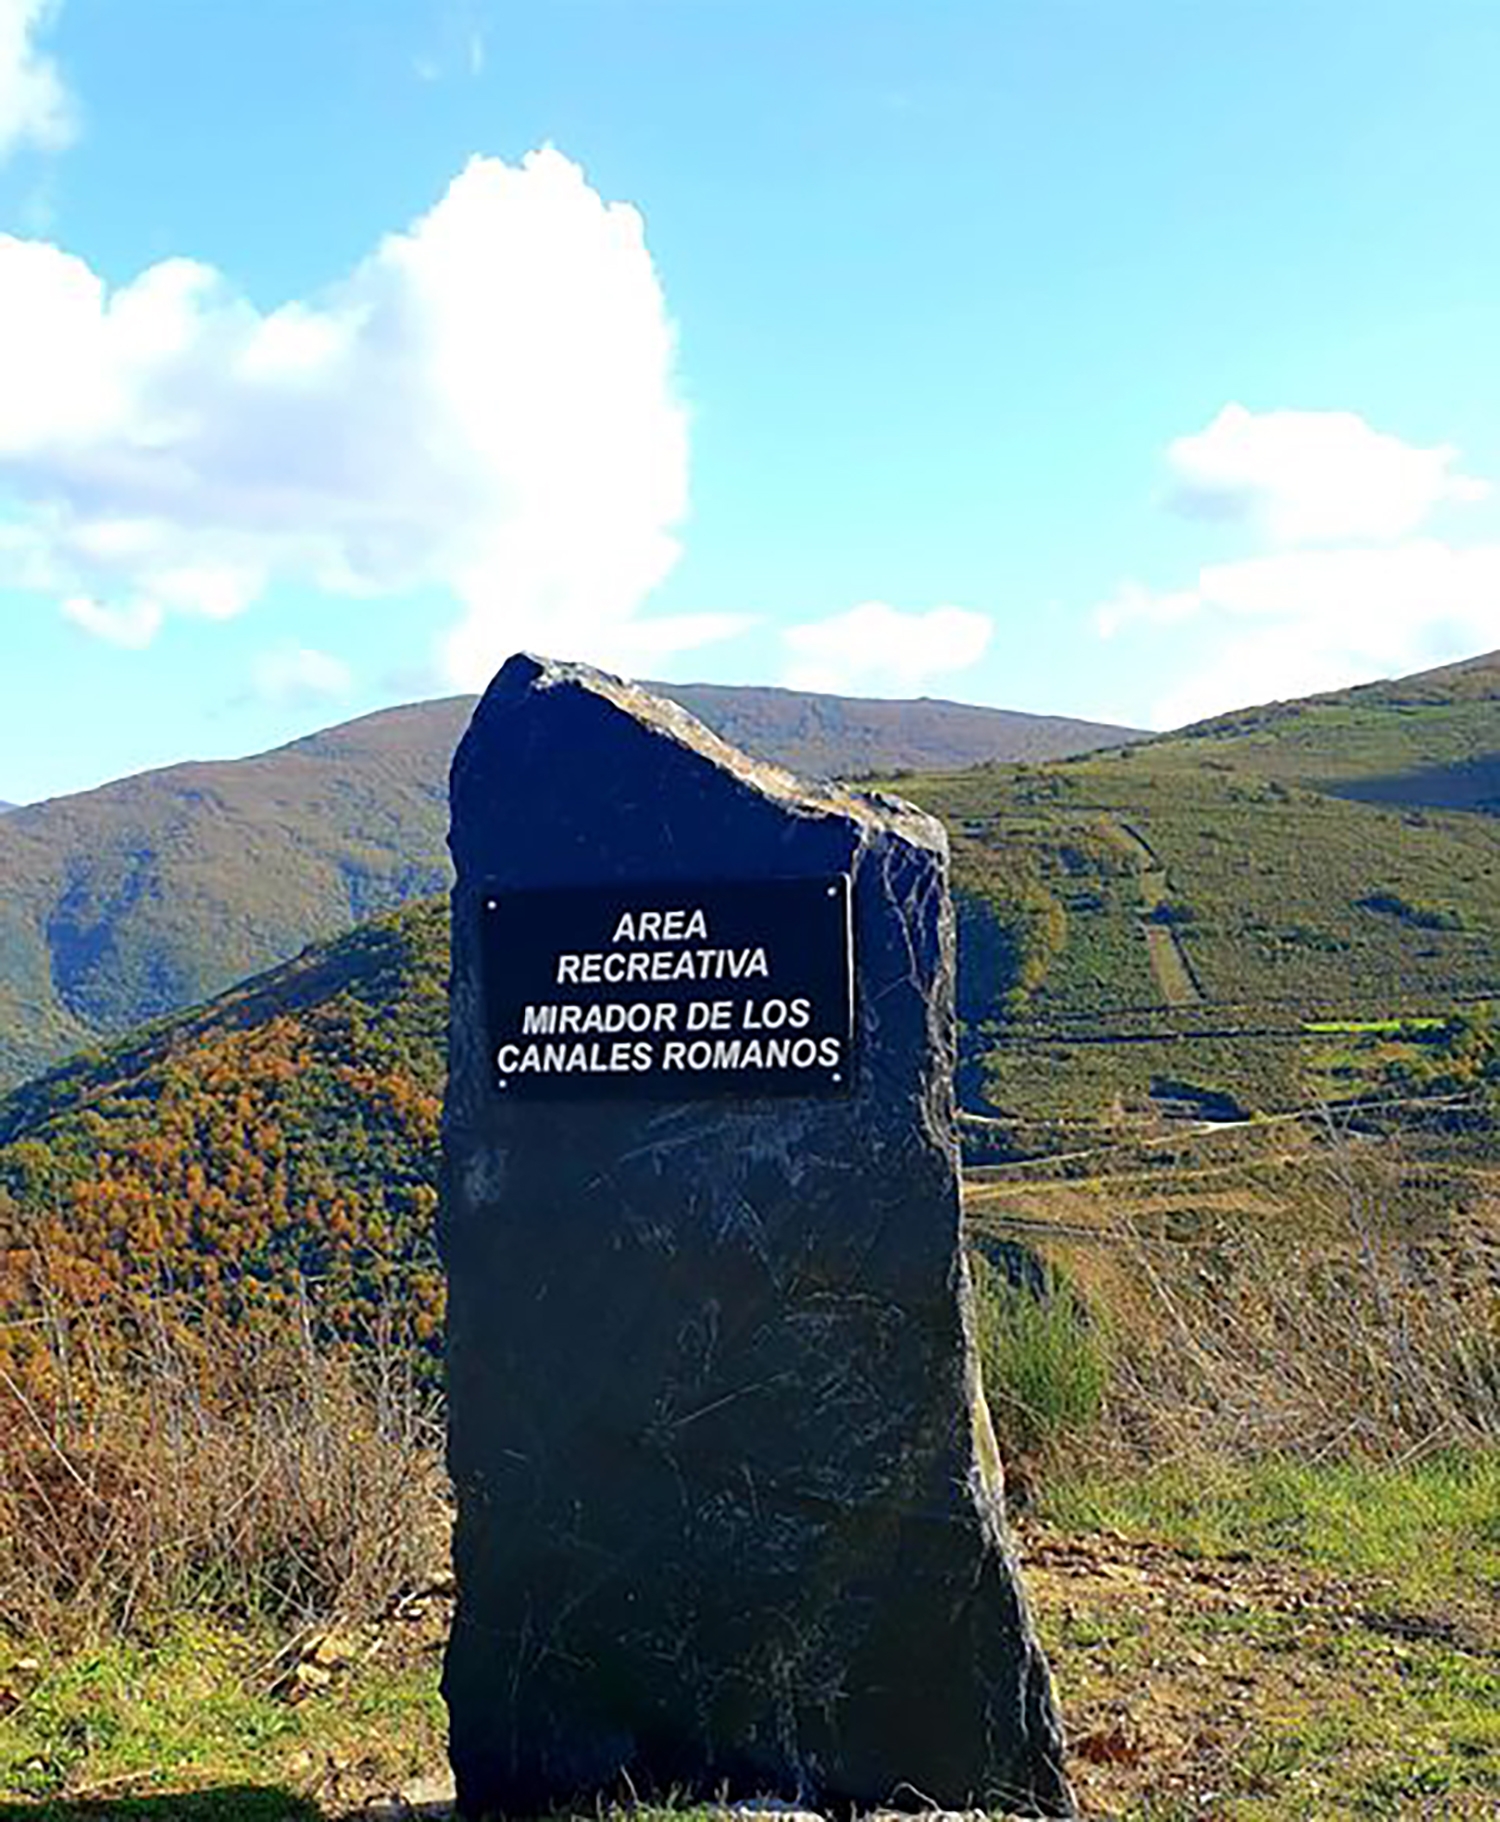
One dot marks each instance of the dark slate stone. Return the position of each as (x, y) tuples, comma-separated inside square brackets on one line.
[(729, 1508)]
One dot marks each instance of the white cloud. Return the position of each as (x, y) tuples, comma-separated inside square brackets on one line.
[(1294, 622), (35, 107), (486, 406), (1306, 477), (300, 674), (877, 648), (131, 624), (1346, 592)]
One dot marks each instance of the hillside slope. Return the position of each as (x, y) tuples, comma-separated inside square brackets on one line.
[(284, 1141), (820, 736), (1211, 924), (287, 1132), (1149, 940), (1432, 740), (125, 903), (1228, 920)]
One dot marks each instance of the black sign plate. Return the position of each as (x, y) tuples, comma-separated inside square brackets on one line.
[(680, 992)]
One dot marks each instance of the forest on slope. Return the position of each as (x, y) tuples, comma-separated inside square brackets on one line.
[(280, 1141)]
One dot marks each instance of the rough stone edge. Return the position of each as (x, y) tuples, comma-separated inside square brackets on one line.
[(872, 810)]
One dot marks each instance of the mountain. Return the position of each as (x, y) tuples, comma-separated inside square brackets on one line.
[(1149, 940), (122, 904), (1158, 928), (848, 736), (6, 806), (125, 903)]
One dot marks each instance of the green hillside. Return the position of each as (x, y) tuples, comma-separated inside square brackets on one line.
[(125, 903), (1432, 740), (1229, 920)]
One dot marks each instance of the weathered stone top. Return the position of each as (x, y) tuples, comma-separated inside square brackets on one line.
[(870, 809)]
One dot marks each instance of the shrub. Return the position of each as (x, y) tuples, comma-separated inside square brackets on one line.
[(236, 1468), (1408, 911), (1352, 1335), (1044, 1360)]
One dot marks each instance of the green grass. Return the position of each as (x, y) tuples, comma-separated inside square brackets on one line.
[(233, 1803), (1271, 1643), (193, 1713), (1431, 1533), (1377, 1027), (1045, 1362), (1280, 1643)]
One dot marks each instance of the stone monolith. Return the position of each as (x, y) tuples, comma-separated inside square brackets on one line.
[(729, 1507)]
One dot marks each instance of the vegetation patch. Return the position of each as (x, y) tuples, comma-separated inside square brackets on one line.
[(1044, 1359), (198, 1712), (1419, 916), (274, 1153), (1395, 1028)]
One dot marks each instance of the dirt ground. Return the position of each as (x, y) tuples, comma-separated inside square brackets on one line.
[(1192, 1687)]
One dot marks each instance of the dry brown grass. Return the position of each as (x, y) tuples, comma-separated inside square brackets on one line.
[(1349, 1307), (1360, 1332), (201, 1465)]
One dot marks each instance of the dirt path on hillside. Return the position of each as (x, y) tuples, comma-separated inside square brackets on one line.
[(1170, 967)]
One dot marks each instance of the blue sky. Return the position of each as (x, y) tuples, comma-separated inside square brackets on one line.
[(1122, 358)]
